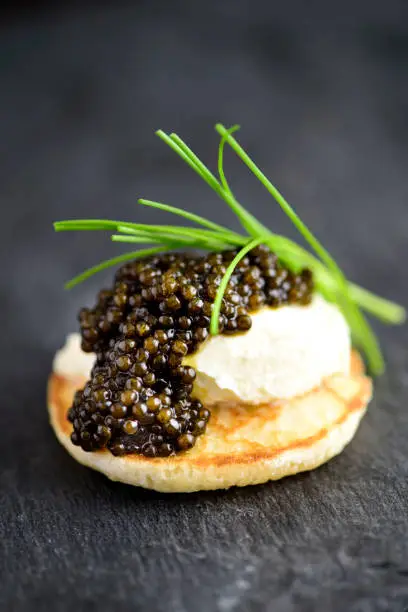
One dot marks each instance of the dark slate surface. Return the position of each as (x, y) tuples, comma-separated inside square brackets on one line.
[(323, 100)]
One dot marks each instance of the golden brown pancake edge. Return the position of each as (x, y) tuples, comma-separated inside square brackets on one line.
[(224, 457)]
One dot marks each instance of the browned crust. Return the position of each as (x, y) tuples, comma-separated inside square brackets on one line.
[(61, 390)]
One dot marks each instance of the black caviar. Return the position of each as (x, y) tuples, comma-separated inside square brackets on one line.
[(139, 397)]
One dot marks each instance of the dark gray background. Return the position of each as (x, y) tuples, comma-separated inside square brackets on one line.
[(321, 91)]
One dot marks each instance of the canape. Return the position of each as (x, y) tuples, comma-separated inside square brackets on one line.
[(215, 358)]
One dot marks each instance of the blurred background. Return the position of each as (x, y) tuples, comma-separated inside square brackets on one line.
[(320, 90)]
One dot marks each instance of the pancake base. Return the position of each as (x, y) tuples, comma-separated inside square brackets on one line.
[(243, 445)]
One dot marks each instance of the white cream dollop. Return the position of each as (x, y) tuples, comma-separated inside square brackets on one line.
[(71, 360), (287, 351)]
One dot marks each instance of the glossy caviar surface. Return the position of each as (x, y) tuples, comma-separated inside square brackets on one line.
[(139, 398)]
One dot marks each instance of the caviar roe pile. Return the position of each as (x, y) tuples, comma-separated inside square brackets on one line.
[(139, 398)]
